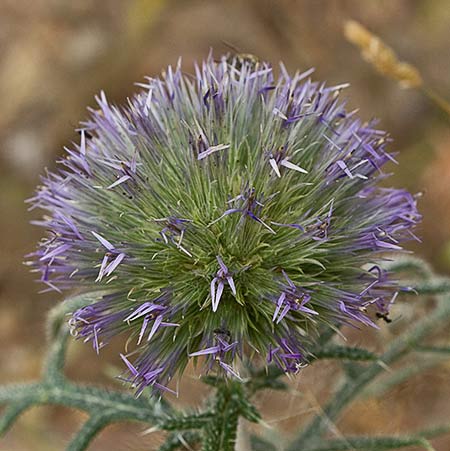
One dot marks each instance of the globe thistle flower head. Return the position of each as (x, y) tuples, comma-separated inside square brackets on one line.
[(222, 216)]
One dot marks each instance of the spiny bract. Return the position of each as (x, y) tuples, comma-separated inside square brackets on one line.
[(227, 214)]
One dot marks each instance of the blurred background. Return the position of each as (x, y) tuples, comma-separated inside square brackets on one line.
[(55, 55)]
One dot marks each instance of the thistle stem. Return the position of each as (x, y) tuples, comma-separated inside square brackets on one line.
[(222, 431), (352, 388)]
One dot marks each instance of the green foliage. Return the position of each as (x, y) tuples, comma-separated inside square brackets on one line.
[(407, 342), (103, 406), (344, 353), (215, 426), (382, 443)]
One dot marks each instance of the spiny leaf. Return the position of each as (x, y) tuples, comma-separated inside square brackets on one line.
[(87, 433), (248, 410), (55, 359), (344, 353), (183, 422), (11, 414), (266, 378), (350, 389)]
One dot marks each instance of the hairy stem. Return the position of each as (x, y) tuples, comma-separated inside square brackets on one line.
[(88, 432), (315, 430), (220, 435)]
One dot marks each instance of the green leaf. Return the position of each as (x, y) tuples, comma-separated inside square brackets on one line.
[(352, 388), (382, 443), (343, 353), (55, 359), (266, 378), (352, 370), (184, 422), (104, 406), (248, 410), (11, 414)]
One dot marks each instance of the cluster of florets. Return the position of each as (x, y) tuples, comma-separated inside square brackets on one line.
[(228, 215)]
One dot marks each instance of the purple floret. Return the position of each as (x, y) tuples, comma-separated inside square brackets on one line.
[(228, 197)]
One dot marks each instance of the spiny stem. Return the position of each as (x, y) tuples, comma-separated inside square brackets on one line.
[(315, 430), (220, 435)]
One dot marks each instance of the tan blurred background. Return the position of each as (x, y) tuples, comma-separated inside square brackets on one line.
[(55, 55)]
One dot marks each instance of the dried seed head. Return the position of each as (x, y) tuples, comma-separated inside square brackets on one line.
[(381, 56)]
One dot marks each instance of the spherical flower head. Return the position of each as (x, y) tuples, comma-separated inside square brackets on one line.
[(223, 215)]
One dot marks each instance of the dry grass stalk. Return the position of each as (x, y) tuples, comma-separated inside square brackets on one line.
[(381, 56)]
